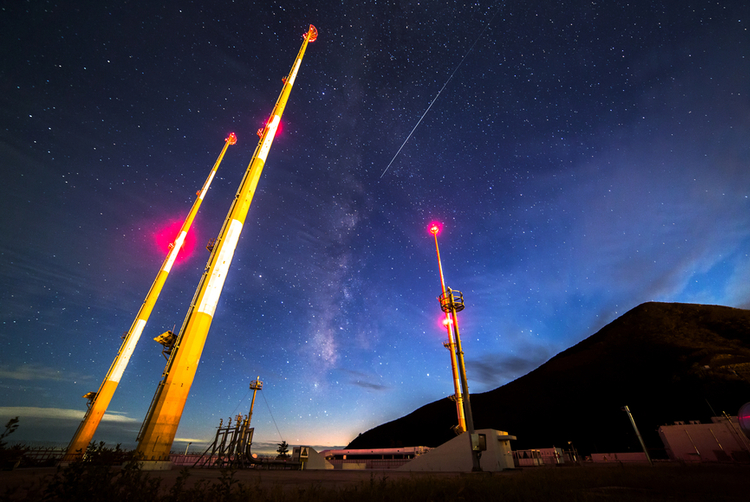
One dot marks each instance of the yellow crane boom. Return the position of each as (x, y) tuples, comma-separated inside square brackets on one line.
[(161, 422), (99, 401)]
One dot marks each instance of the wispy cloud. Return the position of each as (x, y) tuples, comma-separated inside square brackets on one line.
[(30, 372), (195, 441), (59, 414), (369, 385), (36, 371), (363, 380), (499, 369)]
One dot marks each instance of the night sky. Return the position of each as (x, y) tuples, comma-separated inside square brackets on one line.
[(583, 157)]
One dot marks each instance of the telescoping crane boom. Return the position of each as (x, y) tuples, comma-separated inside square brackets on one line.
[(99, 401), (163, 417), (451, 345)]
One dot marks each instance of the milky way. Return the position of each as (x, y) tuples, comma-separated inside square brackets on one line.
[(585, 157)]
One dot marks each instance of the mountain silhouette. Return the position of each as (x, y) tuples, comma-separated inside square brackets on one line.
[(666, 361)]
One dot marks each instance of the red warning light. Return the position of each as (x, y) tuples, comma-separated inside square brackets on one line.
[(165, 237), (231, 139), (312, 34), (434, 228), (268, 123)]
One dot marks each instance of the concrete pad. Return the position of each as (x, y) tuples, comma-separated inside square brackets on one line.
[(455, 455)]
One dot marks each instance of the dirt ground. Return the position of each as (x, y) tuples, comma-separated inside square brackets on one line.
[(606, 482), (25, 478)]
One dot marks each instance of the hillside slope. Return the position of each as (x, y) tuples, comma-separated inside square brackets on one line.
[(667, 362)]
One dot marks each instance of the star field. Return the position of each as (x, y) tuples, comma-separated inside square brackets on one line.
[(583, 157)]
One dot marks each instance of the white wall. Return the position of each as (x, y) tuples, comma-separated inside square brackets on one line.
[(455, 455)]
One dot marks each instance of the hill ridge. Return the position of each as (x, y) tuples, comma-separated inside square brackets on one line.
[(666, 361)]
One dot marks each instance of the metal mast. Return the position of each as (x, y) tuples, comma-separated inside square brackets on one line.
[(163, 418), (99, 401), (255, 386), (451, 345), (452, 302), (232, 445)]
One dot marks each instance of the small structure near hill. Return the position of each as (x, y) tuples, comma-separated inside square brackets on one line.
[(453, 456), (542, 456), (309, 459), (373, 458), (719, 441)]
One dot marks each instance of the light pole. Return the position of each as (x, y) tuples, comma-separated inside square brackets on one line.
[(637, 433), (573, 452), (186, 448)]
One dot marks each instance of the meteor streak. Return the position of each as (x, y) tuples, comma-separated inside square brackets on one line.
[(438, 94)]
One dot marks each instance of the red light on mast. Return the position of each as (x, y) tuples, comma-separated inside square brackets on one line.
[(434, 228), (231, 139), (268, 124), (165, 237), (312, 34)]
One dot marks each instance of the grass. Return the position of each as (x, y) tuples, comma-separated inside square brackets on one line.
[(90, 481)]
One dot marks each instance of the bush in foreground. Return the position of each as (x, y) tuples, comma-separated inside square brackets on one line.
[(88, 480)]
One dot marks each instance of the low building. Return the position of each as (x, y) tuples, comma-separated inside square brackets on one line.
[(720, 441), (542, 456), (455, 455), (527, 458), (374, 458)]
